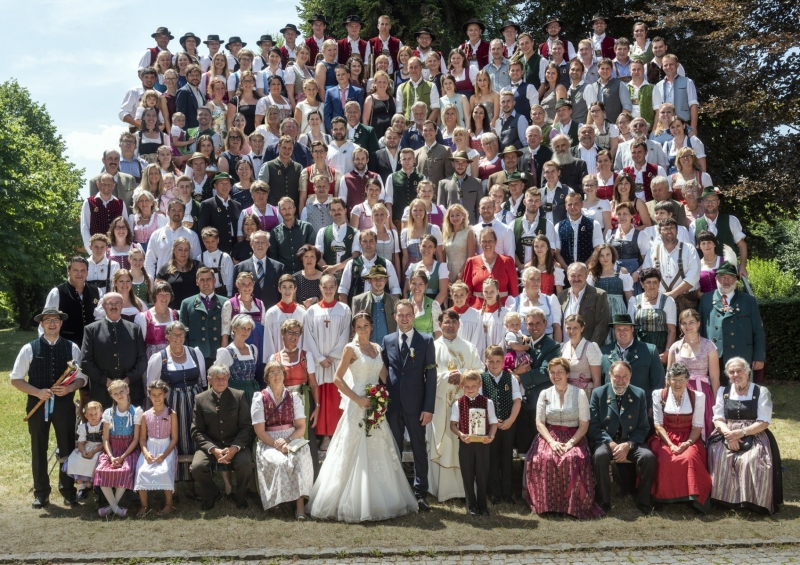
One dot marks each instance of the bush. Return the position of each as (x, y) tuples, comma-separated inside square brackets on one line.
[(779, 240), (781, 328), (768, 280)]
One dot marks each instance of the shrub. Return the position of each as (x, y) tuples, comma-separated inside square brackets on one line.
[(781, 328), (768, 280)]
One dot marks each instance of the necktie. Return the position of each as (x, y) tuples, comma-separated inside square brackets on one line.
[(207, 302), (260, 273), (487, 225), (725, 306), (404, 347), (535, 181), (343, 96)]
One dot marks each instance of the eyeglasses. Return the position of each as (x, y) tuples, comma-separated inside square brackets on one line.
[(234, 138), (127, 142), (295, 334)]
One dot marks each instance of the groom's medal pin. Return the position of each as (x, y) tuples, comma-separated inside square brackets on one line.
[(507, 388)]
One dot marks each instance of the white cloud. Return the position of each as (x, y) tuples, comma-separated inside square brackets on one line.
[(85, 147)]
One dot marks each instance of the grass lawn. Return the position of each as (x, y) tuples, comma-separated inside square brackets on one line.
[(447, 525)]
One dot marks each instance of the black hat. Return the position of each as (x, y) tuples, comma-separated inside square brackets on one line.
[(162, 31), (318, 18), (235, 39), (291, 27), (509, 23), (211, 38), (186, 36), (473, 21), (427, 30), (551, 21), (50, 312), (265, 38), (599, 17), (353, 19), (621, 320)]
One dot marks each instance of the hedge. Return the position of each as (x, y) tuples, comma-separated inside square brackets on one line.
[(781, 318)]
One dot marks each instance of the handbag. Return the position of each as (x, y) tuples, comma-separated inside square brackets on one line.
[(745, 444)]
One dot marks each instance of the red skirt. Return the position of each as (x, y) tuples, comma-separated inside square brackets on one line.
[(329, 411), (681, 478), (122, 477), (562, 484)]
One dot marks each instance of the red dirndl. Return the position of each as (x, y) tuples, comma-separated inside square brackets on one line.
[(122, 477)]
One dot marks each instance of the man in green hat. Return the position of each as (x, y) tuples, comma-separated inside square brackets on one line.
[(727, 228), (510, 156), (732, 321), (221, 212), (460, 188), (648, 372), (377, 303)]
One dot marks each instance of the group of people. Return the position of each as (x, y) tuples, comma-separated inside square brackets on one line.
[(503, 238)]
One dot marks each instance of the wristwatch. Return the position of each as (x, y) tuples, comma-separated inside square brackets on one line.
[(630, 444)]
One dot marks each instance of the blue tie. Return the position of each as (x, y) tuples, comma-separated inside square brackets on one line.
[(404, 347)]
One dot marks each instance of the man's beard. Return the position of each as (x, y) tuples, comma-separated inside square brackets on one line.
[(725, 289), (564, 158), (637, 135), (339, 137)]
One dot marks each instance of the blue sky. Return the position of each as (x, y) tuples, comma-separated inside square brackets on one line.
[(80, 57)]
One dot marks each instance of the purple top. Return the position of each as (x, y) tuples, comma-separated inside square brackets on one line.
[(159, 426), (708, 278)]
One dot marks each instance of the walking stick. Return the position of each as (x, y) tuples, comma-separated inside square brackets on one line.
[(72, 369)]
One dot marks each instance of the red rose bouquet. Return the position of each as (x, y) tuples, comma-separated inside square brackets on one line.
[(376, 413)]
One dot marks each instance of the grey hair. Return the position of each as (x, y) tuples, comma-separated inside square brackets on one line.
[(576, 264), (175, 325), (489, 137), (620, 363), (242, 321), (659, 180), (528, 273), (677, 370), (218, 370), (536, 311), (639, 118), (533, 127), (419, 104), (742, 363), (352, 103)]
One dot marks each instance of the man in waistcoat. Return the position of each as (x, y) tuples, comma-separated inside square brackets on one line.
[(337, 242), (288, 53), (655, 72), (318, 25), (282, 174), (572, 170), (417, 89), (424, 37), (525, 94), (98, 210), (44, 360), (113, 349), (202, 186), (384, 44), (641, 92), (221, 212), (612, 92), (510, 126), (726, 227), (643, 172), (401, 187), (353, 186), (533, 64), (655, 152), (552, 28), (554, 194), (528, 226), (265, 271), (603, 44), (376, 302), (289, 236), (577, 235), (124, 184), (534, 155), (162, 36), (509, 31), (354, 275), (433, 159), (476, 49), (461, 188), (590, 302), (353, 44), (202, 314), (75, 299), (678, 90), (514, 207)]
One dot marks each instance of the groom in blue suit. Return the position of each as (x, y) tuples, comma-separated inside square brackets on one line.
[(411, 359), (334, 105)]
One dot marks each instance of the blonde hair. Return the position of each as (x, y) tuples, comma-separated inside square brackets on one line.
[(447, 227), (149, 94), (470, 375), (512, 317), (158, 190), (412, 225), (459, 285), (375, 78)]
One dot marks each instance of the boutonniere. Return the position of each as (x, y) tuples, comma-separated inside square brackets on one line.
[(412, 353), (94, 301), (219, 210), (649, 174), (630, 399), (583, 228), (725, 396), (350, 236)]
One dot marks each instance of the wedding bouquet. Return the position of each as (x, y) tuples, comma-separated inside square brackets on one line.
[(376, 413)]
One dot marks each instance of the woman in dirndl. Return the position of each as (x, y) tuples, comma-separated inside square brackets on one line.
[(184, 370), (678, 415), (605, 272), (583, 356), (558, 469), (244, 302), (301, 379), (743, 456), (654, 314), (154, 321), (241, 357), (116, 467), (628, 242), (278, 419)]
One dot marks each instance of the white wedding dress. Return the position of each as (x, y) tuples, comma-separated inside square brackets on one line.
[(362, 477)]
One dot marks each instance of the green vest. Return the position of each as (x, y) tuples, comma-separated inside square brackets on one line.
[(423, 95), (519, 247), (424, 323), (328, 252), (499, 393), (724, 234), (405, 190), (645, 101), (432, 289), (356, 281), (530, 70)]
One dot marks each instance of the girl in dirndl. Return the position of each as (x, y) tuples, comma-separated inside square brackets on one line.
[(606, 272), (116, 467), (158, 459), (583, 356)]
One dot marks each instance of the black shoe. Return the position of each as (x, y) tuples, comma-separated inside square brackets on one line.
[(495, 500), (605, 507), (484, 512), (473, 512), (40, 502), (242, 505), (83, 494), (508, 499), (253, 495), (206, 506), (423, 505), (70, 501), (645, 509)]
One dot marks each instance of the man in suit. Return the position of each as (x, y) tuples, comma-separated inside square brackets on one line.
[(510, 156), (361, 135), (221, 212), (534, 376), (618, 428), (410, 357), (433, 159), (460, 188), (590, 302), (202, 314), (377, 303), (337, 97), (112, 349), (300, 153), (124, 185), (189, 98), (534, 155), (659, 187), (266, 271), (222, 432), (732, 321), (412, 137), (572, 170), (647, 370), (387, 160)]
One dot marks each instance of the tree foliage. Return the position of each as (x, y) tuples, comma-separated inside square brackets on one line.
[(39, 221)]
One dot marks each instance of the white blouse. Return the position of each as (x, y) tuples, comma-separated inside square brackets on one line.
[(224, 356), (596, 212), (257, 407), (574, 410), (764, 403), (593, 354), (670, 310), (670, 407), (154, 365), (137, 415)]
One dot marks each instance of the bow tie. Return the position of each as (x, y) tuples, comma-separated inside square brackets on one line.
[(487, 225)]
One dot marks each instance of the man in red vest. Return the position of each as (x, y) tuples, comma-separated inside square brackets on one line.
[(553, 29), (476, 49), (288, 54), (98, 210), (385, 44), (162, 37), (424, 37), (318, 26), (602, 44), (353, 44), (353, 186), (642, 171)]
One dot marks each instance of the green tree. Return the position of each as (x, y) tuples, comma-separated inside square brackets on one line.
[(39, 222)]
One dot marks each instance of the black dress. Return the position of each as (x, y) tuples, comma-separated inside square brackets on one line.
[(249, 113), (306, 288), (183, 284), (382, 113)]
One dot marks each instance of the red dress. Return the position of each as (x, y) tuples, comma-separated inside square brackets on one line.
[(503, 270)]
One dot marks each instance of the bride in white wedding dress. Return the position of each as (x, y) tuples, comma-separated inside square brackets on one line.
[(362, 477)]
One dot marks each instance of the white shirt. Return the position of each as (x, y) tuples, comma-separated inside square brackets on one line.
[(389, 188), (257, 406), (341, 158), (574, 304), (669, 265), (25, 357), (664, 92), (684, 235), (764, 413), (86, 217), (491, 417), (130, 102), (144, 62), (104, 270), (347, 276), (549, 305), (154, 365), (516, 393), (531, 94), (596, 212), (505, 237), (670, 310), (671, 407), (159, 248), (590, 94), (529, 230), (549, 196), (638, 178), (413, 85), (590, 156), (735, 227), (222, 261), (597, 234), (339, 233), (655, 155)]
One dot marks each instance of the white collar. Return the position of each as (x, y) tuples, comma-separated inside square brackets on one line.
[(409, 333), (580, 294)]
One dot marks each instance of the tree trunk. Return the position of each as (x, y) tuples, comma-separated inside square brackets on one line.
[(23, 314)]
